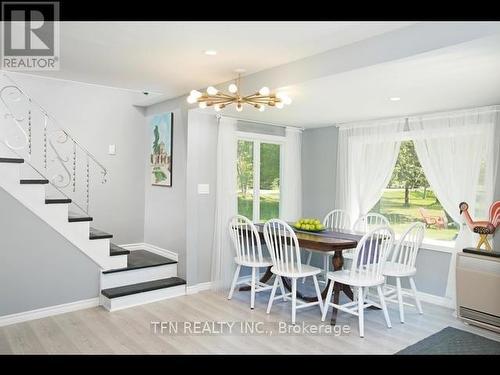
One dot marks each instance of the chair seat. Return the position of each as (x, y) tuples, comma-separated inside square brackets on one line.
[(346, 277), (266, 262), (306, 270), (398, 270)]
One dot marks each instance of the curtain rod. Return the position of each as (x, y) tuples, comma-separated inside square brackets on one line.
[(429, 115), (264, 123)]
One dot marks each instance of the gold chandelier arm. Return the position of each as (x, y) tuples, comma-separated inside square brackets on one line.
[(221, 101), (225, 95), (251, 96), (215, 97)]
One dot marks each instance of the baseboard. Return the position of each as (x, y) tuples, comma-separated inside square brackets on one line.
[(193, 289), (48, 311), (154, 249), (430, 298), (436, 300)]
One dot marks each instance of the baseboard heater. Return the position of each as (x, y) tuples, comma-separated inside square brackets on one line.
[(478, 299), (479, 316)]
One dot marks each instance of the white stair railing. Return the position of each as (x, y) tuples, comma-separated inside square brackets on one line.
[(31, 133)]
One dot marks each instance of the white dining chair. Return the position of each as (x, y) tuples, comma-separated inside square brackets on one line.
[(334, 220), (283, 245), (402, 265), (364, 224), (366, 271), (246, 242)]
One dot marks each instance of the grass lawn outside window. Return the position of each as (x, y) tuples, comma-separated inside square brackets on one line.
[(392, 206)]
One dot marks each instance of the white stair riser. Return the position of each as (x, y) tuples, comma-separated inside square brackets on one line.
[(34, 193), (9, 172), (111, 280), (119, 303), (56, 215)]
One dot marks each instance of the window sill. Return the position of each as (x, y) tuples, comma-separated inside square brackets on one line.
[(436, 245)]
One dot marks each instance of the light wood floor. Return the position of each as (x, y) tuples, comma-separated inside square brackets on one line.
[(130, 331)]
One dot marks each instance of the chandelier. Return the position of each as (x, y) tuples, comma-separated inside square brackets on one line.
[(219, 100)]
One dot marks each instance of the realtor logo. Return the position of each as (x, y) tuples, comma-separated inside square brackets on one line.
[(30, 36)]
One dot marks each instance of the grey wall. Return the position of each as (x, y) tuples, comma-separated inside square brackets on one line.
[(165, 207), (99, 116), (319, 167), (38, 267)]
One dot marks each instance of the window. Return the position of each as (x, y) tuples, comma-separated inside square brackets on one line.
[(409, 198), (258, 178)]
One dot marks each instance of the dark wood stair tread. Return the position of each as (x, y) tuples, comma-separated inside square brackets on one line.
[(115, 250), (74, 217), (96, 234), (34, 182), (57, 200), (11, 160), (126, 290), (138, 259)]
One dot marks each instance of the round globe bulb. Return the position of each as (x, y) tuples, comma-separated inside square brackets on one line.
[(264, 91), (195, 94), (233, 89), (217, 108), (191, 99), (287, 100), (279, 105), (262, 108), (202, 105), (212, 91)]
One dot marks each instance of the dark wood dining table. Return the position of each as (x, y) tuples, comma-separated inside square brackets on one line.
[(326, 242)]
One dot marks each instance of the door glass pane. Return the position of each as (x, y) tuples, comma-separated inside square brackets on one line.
[(244, 169), (269, 181)]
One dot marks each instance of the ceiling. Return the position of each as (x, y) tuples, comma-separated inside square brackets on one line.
[(167, 58), (462, 76)]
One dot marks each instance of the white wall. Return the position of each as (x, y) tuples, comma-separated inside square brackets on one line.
[(98, 116)]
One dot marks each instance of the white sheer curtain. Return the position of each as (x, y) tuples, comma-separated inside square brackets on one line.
[(367, 153), (451, 149), (291, 186), (226, 205)]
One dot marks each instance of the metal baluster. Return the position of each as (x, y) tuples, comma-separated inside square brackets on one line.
[(45, 142), (29, 129), (88, 184), (74, 167)]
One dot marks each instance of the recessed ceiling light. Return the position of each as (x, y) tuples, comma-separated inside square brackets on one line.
[(394, 98), (210, 52)]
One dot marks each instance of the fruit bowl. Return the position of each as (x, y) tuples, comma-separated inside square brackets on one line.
[(309, 230), (309, 225)]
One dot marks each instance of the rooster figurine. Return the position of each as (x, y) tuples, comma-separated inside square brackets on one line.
[(483, 228)]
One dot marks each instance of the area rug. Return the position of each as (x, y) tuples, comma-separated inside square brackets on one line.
[(453, 341)]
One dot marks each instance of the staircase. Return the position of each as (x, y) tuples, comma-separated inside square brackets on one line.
[(147, 277), (128, 278)]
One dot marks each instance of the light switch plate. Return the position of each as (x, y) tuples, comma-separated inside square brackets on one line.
[(203, 189), (112, 150)]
